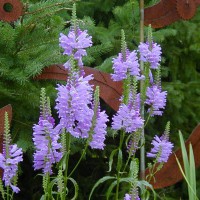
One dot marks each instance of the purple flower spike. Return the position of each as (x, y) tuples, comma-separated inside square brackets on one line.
[(45, 138), (133, 65), (9, 163), (74, 106), (156, 99), (74, 44), (162, 149), (128, 119), (121, 66), (99, 131), (150, 54)]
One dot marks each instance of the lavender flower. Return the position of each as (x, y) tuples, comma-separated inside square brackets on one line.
[(122, 66), (73, 106), (151, 54), (128, 117), (161, 150), (128, 197), (99, 131), (45, 138), (74, 44), (156, 99), (9, 163)]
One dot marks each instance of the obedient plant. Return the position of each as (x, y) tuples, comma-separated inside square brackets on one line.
[(9, 160), (48, 151), (129, 121), (77, 107), (80, 116)]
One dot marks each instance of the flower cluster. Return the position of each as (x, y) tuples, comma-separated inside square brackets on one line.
[(98, 136), (161, 150), (156, 99), (122, 66), (75, 99), (74, 106), (127, 118), (150, 53), (9, 163), (74, 44), (45, 138)]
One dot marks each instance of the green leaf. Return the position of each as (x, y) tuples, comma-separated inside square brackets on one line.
[(192, 170), (190, 189), (189, 168), (141, 185), (185, 156), (75, 187), (119, 160), (126, 180), (110, 189), (42, 197), (111, 159), (105, 178)]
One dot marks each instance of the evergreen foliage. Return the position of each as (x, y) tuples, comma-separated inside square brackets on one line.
[(28, 45), (183, 80)]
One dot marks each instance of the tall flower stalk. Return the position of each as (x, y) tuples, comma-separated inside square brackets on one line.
[(141, 89), (128, 118), (78, 111), (9, 160), (47, 147)]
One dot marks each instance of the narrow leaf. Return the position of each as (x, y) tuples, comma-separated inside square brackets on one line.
[(110, 189), (181, 169), (141, 185), (75, 188), (105, 178), (111, 159), (119, 160), (192, 171), (184, 155)]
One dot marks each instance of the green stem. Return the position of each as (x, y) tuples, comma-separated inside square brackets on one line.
[(118, 169), (82, 155), (129, 157), (153, 171), (7, 192), (68, 142), (117, 188), (148, 118)]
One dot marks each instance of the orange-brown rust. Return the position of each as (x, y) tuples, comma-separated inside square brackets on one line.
[(16, 10), (110, 91), (167, 12)]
